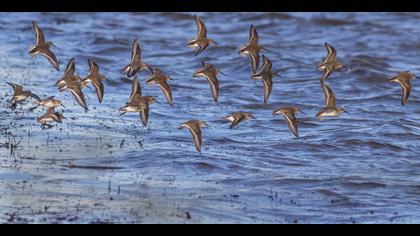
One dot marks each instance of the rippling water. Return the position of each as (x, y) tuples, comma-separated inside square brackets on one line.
[(360, 167)]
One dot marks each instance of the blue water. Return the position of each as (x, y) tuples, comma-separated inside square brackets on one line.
[(361, 167)]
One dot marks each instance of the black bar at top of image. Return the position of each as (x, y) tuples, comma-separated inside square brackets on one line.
[(212, 5)]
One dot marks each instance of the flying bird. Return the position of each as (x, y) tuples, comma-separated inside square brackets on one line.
[(252, 49), (210, 72), (43, 47), (201, 41), (330, 108), (237, 117), (96, 79), (403, 78), (330, 63), (50, 116), (20, 95), (161, 79), (266, 74), (195, 128), (290, 117), (136, 63)]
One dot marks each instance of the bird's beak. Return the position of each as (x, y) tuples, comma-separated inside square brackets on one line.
[(222, 73), (266, 49), (62, 105)]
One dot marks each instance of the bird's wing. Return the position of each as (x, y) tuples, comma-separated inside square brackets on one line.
[(135, 51), (144, 112), (51, 58), (253, 36), (332, 54), (99, 87), (201, 28), (255, 60), (291, 122), (196, 134), (214, 85), (79, 96), (406, 90), (135, 90), (70, 68), (93, 67), (16, 88), (330, 99), (166, 89), (40, 38), (268, 86), (267, 65)]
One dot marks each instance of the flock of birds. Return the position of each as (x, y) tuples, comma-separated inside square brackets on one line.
[(139, 103)]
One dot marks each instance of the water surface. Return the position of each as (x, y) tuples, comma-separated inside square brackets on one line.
[(361, 167)]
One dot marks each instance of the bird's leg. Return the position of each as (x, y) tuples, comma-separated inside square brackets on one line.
[(33, 108)]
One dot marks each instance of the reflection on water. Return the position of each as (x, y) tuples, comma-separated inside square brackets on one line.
[(358, 167)]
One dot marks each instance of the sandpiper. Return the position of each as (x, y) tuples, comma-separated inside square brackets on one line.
[(69, 75), (20, 95), (49, 102), (252, 49), (195, 128), (96, 79), (237, 117), (50, 116), (330, 63), (210, 72), (43, 47), (133, 103), (201, 41), (403, 78), (266, 74), (74, 83), (136, 64), (138, 103), (76, 89), (159, 78), (330, 108), (290, 117), (144, 104)]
